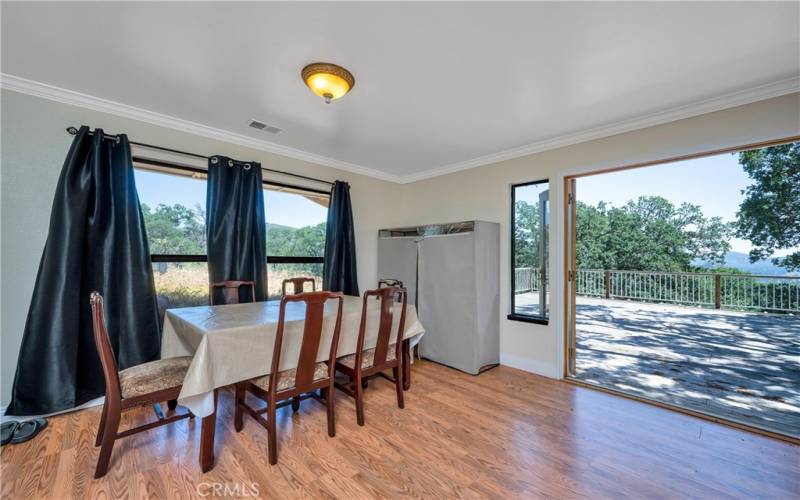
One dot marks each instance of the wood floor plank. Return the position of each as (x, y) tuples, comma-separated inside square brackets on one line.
[(503, 434)]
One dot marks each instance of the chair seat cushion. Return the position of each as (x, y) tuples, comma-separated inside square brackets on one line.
[(367, 357), (153, 376), (286, 378)]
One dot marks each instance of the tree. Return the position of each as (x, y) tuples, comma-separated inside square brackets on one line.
[(175, 229), (526, 234), (769, 216), (591, 225), (307, 241), (648, 234)]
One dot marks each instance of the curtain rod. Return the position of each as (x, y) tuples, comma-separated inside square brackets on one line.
[(74, 131)]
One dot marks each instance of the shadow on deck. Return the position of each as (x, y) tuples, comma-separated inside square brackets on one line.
[(740, 366)]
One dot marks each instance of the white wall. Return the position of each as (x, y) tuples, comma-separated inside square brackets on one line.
[(484, 193), (34, 145)]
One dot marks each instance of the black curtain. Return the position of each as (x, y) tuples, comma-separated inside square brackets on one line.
[(235, 225), (339, 267), (96, 241)]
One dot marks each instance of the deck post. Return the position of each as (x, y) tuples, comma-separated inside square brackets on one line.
[(717, 292), (607, 283)]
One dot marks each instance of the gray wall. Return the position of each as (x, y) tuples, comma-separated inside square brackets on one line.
[(34, 145)]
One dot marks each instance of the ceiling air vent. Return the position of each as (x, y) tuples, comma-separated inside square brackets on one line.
[(263, 126)]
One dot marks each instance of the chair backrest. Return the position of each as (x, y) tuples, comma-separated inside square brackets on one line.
[(103, 344), (387, 296), (298, 285), (312, 337), (382, 283), (230, 291), (389, 282)]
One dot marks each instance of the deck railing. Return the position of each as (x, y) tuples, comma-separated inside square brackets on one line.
[(720, 291), (527, 279)]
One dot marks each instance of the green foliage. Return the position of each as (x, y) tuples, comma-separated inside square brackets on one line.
[(179, 230), (649, 234), (304, 241), (175, 229), (526, 235), (769, 216)]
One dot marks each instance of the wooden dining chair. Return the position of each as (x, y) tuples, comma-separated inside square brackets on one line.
[(230, 291), (389, 282), (141, 385), (298, 285), (385, 355), (290, 386), (382, 283)]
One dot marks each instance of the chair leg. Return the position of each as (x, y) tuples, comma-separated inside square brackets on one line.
[(331, 415), (102, 427), (272, 437), (398, 383), (172, 404), (109, 435), (295, 403), (359, 393), (238, 422)]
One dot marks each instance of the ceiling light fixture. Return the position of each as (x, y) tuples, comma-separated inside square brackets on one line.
[(327, 80)]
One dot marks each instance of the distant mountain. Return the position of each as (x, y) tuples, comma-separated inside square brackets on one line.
[(742, 261)]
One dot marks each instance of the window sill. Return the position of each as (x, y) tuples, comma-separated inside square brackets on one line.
[(528, 319)]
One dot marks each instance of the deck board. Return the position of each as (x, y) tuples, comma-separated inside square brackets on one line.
[(739, 366)]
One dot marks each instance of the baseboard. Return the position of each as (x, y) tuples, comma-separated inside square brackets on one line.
[(531, 366)]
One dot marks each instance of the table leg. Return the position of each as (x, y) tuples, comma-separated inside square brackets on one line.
[(207, 439), (406, 365)]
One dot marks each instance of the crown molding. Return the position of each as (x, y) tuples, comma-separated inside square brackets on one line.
[(748, 96), (65, 96), (43, 90)]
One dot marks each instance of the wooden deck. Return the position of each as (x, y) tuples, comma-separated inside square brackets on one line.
[(502, 434), (739, 366)]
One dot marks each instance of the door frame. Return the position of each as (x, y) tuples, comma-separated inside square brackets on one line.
[(570, 237), (544, 246)]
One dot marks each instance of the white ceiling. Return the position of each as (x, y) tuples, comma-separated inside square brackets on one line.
[(439, 86)]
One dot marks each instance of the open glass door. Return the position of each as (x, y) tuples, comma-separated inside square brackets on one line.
[(544, 230), (571, 275)]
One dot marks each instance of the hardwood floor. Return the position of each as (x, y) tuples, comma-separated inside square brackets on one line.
[(505, 433)]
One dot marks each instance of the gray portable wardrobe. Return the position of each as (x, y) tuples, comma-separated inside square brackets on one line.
[(452, 273)]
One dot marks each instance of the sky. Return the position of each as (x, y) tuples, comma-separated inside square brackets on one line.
[(715, 183), (281, 208)]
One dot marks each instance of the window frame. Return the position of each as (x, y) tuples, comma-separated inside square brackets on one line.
[(513, 315), (271, 259)]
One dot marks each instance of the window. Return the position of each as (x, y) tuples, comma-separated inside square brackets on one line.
[(174, 217), (530, 225), (295, 235), (173, 204)]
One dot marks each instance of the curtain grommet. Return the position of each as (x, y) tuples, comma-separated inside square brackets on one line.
[(214, 160), (230, 163), (247, 166)]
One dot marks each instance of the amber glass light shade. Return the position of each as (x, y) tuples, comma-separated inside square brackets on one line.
[(328, 81)]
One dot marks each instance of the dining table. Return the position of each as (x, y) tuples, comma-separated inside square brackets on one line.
[(234, 342)]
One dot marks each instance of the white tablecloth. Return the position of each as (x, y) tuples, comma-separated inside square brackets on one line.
[(232, 343)]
